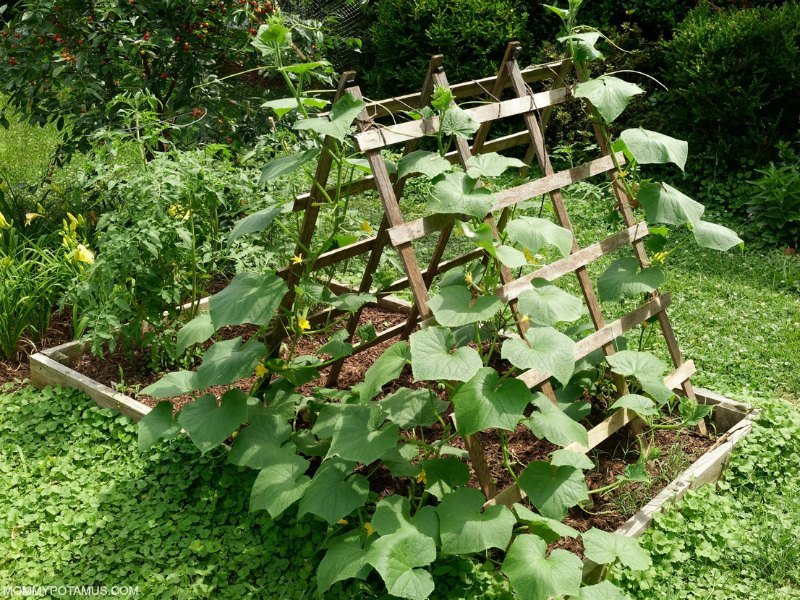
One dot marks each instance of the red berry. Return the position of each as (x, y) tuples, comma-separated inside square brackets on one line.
[(146, 36), (12, 61), (164, 76)]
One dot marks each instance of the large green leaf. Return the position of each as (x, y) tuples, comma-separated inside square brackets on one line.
[(248, 298), (550, 422), (261, 443), (547, 304), (483, 237), (605, 590), (605, 548), (443, 475), (281, 106), (360, 434), (547, 350), (535, 233), (228, 361), (623, 279), (172, 384), (641, 405), (432, 359), (536, 576), (286, 164), (280, 485), (196, 331), (397, 558), (455, 193), (648, 369), (335, 491), (258, 221), (567, 458), (409, 408), (346, 558), (382, 371), (651, 147), (429, 164), (662, 203), (490, 165), (553, 490), (715, 237), (455, 306), (457, 122), (583, 49), (393, 513), (549, 530), (465, 528), (156, 425), (208, 424), (484, 402), (352, 302), (337, 346), (337, 124), (609, 95)]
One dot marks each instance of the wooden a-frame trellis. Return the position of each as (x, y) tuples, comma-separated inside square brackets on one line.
[(534, 108)]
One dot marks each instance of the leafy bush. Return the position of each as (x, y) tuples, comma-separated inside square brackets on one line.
[(732, 74), (775, 206), (472, 35)]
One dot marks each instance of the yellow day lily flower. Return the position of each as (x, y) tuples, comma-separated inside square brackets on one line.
[(261, 370), (303, 323), (3, 223), (370, 529), (84, 255), (297, 259), (660, 258), (29, 217)]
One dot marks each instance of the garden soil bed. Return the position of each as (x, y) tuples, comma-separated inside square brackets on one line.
[(58, 332)]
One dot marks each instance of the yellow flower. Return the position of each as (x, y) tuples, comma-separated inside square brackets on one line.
[(297, 259), (660, 258), (366, 227), (370, 529), (303, 323), (84, 255), (468, 278), (341, 522), (524, 319), (421, 478), (29, 217), (528, 256), (172, 210), (261, 370), (3, 223)]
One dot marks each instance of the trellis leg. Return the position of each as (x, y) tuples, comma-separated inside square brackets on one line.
[(316, 198), (382, 237), (557, 200)]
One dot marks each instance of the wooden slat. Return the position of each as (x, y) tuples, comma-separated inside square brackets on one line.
[(374, 139), (303, 201), (570, 263), (447, 265)]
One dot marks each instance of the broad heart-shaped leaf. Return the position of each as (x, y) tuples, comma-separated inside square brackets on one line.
[(715, 237), (443, 475), (397, 558), (457, 122), (692, 412), (346, 558), (646, 368), (228, 361), (490, 165), (604, 548), (609, 95), (567, 458), (484, 402), (334, 492), (306, 67), (535, 233), (605, 590), (341, 118), (281, 106), (260, 443), (431, 358), (583, 46), (455, 193), (464, 528), (547, 350), (286, 164), (483, 237), (248, 298), (352, 302), (196, 331), (642, 406), (651, 147), (280, 485), (429, 164), (394, 512), (662, 203), (510, 256), (360, 436), (553, 490), (156, 425), (454, 306), (623, 278), (258, 221), (172, 384), (547, 304), (399, 460), (535, 576), (338, 346), (208, 424), (550, 422), (383, 370), (409, 408), (549, 530)]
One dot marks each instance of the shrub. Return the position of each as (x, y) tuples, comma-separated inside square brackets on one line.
[(733, 79), (775, 206), (472, 34)]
